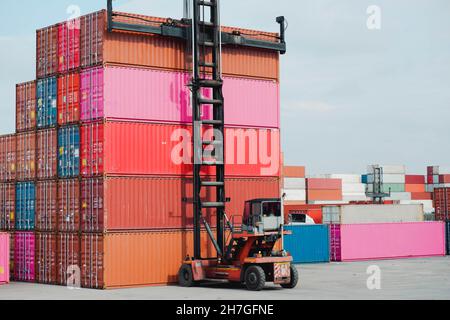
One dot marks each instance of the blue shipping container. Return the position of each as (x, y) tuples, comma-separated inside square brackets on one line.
[(69, 152), (308, 243), (364, 178), (47, 94), (25, 206)]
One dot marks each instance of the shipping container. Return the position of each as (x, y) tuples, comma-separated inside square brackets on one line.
[(7, 206), (25, 206), (46, 205), (421, 196), (164, 96), (414, 188), (131, 148), (324, 184), (374, 213), (387, 241), (26, 156), (145, 203), (415, 179), (116, 260), (393, 187), (47, 51), (294, 195), (68, 98), (69, 152), (8, 157), (11, 254), (24, 256), (124, 48), (46, 255), (4, 258), (294, 172), (68, 251), (47, 97), (324, 195), (26, 106), (441, 197), (294, 183), (308, 243), (69, 45), (447, 234), (388, 169), (346, 178), (68, 205), (313, 211), (46, 154), (444, 178)]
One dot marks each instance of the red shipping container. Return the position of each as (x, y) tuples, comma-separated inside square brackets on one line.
[(69, 45), (26, 156), (47, 151), (421, 196), (324, 184), (46, 205), (312, 210), (131, 148), (25, 106), (69, 98), (145, 203), (414, 179), (430, 179), (69, 205), (444, 178), (8, 157), (47, 51), (46, 255), (442, 203), (7, 206), (68, 252)]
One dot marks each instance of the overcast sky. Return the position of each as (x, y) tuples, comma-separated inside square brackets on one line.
[(350, 96)]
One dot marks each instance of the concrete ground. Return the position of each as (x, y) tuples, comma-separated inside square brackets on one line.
[(398, 279)]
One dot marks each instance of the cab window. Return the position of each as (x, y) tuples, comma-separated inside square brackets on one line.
[(271, 209)]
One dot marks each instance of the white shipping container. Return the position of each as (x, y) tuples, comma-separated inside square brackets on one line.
[(361, 214), (388, 169), (328, 202), (354, 197), (427, 204), (388, 178), (399, 196), (295, 183), (294, 195), (347, 178), (353, 188)]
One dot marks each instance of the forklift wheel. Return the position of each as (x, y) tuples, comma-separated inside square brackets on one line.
[(255, 278), (294, 279), (185, 276)]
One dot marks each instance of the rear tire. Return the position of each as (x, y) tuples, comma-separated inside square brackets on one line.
[(294, 279), (185, 276), (255, 278)]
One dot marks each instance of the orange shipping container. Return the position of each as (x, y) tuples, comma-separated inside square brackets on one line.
[(26, 156), (115, 260), (99, 46), (421, 196), (8, 157), (413, 188), (324, 195), (25, 106), (294, 172), (69, 98)]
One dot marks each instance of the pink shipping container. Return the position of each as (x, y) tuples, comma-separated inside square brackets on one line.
[(24, 256), (352, 242), (163, 96), (4, 258), (69, 45)]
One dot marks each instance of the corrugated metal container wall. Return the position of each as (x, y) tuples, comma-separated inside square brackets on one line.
[(324, 184), (46, 205), (69, 45), (68, 98), (99, 47), (294, 172), (47, 51), (313, 211), (68, 257), (415, 179), (25, 106), (47, 148), (26, 156), (308, 244), (130, 148), (325, 195), (139, 203), (117, 260), (4, 258), (68, 205), (46, 264), (24, 256), (441, 200), (8, 157), (25, 206), (164, 96), (390, 241), (47, 98), (11, 254), (7, 205), (69, 152), (447, 234)]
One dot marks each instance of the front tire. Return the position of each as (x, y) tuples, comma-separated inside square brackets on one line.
[(255, 278), (185, 276), (294, 279)]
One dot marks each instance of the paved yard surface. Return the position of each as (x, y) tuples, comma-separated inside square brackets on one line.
[(399, 279)]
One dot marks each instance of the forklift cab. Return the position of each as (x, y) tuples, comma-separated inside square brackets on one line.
[(262, 215)]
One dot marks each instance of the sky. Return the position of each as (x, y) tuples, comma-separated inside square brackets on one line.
[(350, 96)]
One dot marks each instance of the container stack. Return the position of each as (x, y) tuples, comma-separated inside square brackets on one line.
[(437, 177), (353, 189), (393, 178), (294, 185), (415, 185), (324, 191)]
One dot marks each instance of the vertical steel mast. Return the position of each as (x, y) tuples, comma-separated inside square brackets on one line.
[(207, 76)]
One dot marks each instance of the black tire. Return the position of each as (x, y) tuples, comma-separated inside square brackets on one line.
[(255, 278), (185, 276), (294, 279)]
